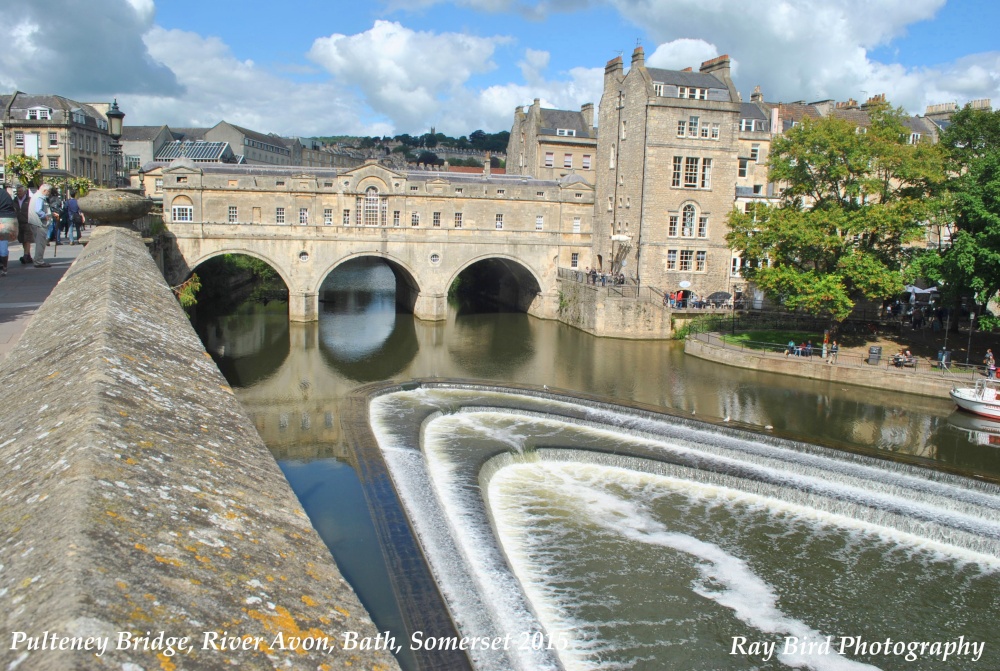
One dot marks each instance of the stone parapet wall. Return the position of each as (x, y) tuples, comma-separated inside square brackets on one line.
[(599, 312), (136, 499), (818, 369)]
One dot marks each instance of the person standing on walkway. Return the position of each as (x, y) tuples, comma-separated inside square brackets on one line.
[(22, 201), (39, 216), (991, 364), (74, 218), (8, 228), (834, 350)]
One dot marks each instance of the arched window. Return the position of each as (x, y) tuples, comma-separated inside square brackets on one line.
[(182, 209), (687, 221), (372, 206)]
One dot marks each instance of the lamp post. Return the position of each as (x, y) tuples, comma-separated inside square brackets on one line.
[(115, 117), (972, 325)]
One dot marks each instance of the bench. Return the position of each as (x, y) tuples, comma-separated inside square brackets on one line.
[(904, 361)]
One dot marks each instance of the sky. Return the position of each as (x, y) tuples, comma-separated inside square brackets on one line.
[(385, 67)]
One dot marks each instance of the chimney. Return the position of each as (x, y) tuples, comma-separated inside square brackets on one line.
[(756, 96), (981, 104), (614, 66), (638, 57), (486, 163), (587, 111), (720, 69)]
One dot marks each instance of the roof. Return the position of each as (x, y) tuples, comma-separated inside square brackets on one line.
[(189, 133), (59, 105), (552, 120), (686, 78), (260, 137), (196, 151), (140, 133), (751, 111)]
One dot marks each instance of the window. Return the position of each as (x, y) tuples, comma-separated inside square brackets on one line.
[(914, 138), (18, 138), (539, 222), (678, 160), (568, 132), (182, 213), (686, 256), (458, 220), (158, 185), (436, 220), (611, 203), (586, 161), (746, 124), (280, 182), (53, 162), (687, 221), (758, 189), (279, 215), (681, 128), (182, 180), (415, 219), (346, 217), (303, 216), (499, 221), (699, 261), (327, 185), (672, 226), (413, 188), (690, 173), (734, 268), (576, 224), (755, 153), (574, 260), (371, 207), (53, 139), (501, 192), (743, 167), (671, 259), (706, 173), (567, 160), (132, 162), (693, 126), (659, 88), (702, 227), (328, 217), (624, 125), (395, 217), (234, 214), (550, 159), (611, 160), (39, 113), (458, 190), (715, 131)]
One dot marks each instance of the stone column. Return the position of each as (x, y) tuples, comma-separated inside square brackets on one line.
[(431, 307), (303, 306)]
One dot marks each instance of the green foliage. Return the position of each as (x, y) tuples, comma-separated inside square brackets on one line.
[(852, 204), (698, 325), (187, 292), (972, 264), (26, 169), (81, 185)]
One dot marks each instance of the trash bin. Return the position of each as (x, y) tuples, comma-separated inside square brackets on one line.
[(874, 355), (944, 358)]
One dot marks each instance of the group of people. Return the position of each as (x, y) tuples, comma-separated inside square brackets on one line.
[(604, 279), (37, 218), (807, 348)]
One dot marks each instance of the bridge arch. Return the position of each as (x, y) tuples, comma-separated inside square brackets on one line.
[(407, 286), (277, 267), (520, 288)]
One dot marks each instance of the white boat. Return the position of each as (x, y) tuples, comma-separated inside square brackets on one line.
[(981, 399)]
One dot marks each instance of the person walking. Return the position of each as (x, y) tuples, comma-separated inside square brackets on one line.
[(74, 217), (39, 216), (8, 228), (991, 365), (25, 233)]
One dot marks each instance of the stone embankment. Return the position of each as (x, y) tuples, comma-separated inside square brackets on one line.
[(930, 383), (141, 516)]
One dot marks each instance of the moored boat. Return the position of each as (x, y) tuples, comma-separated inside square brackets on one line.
[(982, 399)]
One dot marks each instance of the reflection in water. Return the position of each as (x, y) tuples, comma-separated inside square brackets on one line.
[(292, 380)]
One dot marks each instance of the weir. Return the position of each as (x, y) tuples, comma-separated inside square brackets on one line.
[(448, 444)]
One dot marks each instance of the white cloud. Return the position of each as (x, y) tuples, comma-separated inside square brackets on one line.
[(83, 50), (811, 49), (682, 53), (404, 74), (219, 86)]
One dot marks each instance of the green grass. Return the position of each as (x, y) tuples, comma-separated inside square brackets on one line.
[(755, 339)]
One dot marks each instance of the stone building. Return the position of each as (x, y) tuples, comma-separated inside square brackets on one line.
[(551, 144), (667, 162), (63, 134)]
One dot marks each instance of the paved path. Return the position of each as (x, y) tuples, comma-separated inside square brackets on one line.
[(24, 289)]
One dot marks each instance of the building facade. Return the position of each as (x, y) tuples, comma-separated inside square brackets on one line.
[(551, 144), (64, 135)]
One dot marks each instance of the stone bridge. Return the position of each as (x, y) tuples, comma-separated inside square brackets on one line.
[(429, 227)]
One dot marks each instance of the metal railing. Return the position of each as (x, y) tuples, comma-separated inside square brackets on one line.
[(890, 362)]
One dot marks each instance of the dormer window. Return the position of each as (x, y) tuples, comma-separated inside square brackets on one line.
[(692, 93), (40, 113), (659, 88), (914, 138), (78, 117), (568, 132)]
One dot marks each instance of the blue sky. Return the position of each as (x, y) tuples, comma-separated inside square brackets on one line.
[(316, 67)]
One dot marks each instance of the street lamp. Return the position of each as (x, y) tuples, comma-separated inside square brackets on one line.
[(972, 325), (115, 117)]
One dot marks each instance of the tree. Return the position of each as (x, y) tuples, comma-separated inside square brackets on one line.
[(853, 201), (26, 169), (972, 263)]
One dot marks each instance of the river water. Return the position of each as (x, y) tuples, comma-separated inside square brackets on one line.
[(622, 564)]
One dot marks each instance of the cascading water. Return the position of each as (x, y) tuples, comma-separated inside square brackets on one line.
[(602, 537)]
